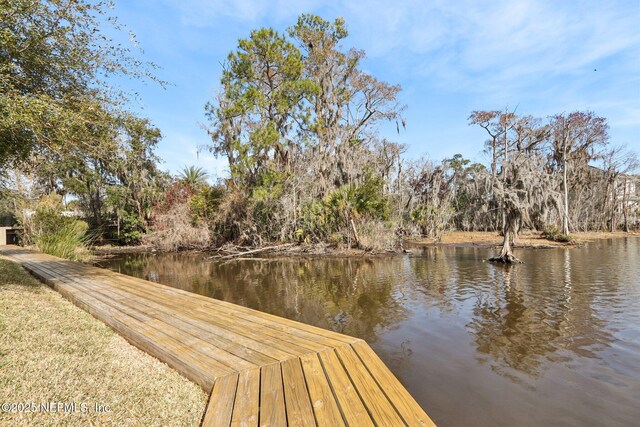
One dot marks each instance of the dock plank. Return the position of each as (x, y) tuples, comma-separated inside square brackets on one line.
[(410, 411), (272, 409), (380, 409), (220, 406), (325, 406), (352, 408), (245, 407), (296, 396)]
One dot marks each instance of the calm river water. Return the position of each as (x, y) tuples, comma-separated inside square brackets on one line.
[(553, 342)]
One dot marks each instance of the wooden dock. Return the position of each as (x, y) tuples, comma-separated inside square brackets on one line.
[(260, 369)]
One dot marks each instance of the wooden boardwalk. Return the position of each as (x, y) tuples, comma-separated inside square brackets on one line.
[(260, 369)]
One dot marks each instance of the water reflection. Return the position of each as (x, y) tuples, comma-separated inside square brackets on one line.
[(554, 341), (355, 297)]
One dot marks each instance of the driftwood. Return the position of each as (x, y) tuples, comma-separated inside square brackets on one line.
[(355, 233), (253, 251)]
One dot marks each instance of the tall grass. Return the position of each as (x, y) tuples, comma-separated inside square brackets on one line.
[(62, 236)]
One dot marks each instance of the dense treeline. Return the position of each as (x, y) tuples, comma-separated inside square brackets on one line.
[(299, 122), (64, 129)]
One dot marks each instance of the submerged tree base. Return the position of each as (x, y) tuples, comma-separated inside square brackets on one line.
[(506, 259)]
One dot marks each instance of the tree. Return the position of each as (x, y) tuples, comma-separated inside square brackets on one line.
[(577, 139), (525, 188), (348, 104), (55, 62), (195, 177), (619, 164), (298, 121), (260, 109), (113, 176), (497, 125), (136, 166)]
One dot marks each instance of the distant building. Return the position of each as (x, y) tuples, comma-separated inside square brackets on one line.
[(28, 213)]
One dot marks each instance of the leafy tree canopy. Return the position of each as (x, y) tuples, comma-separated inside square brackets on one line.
[(56, 57)]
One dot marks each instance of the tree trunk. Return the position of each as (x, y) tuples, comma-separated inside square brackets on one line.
[(614, 208), (506, 254), (565, 215), (625, 204), (355, 234)]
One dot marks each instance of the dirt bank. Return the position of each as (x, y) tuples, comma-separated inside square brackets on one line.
[(525, 240)]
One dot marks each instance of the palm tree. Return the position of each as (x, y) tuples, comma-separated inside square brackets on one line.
[(194, 177)]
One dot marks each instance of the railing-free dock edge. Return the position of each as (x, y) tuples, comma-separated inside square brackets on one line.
[(258, 369)]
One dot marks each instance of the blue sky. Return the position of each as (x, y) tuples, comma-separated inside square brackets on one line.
[(450, 57)]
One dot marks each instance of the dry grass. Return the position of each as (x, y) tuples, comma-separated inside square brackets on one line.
[(481, 238), (52, 351), (378, 236)]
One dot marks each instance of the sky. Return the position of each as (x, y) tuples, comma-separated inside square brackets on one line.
[(450, 57)]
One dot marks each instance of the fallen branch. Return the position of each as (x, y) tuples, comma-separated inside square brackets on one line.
[(254, 251), (248, 259)]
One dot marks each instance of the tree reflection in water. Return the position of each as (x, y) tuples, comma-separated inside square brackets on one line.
[(522, 322), (354, 296)]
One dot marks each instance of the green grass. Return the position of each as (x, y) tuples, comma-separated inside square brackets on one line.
[(52, 351)]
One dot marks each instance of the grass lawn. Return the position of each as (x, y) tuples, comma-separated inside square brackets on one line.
[(52, 351)]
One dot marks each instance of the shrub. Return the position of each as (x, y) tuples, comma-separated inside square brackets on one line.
[(206, 201), (431, 220), (133, 229), (379, 235), (61, 236), (175, 230), (554, 234), (365, 205)]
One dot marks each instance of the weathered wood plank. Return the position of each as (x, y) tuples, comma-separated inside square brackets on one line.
[(296, 396), (325, 406), (220, 406), (351, 406), (272, 409), (245, 407), (333, 338), (404, 403), (380, 409), (199, 368), (258, 330), (217, 361)]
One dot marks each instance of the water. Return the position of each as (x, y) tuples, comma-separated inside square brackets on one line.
[(554, 342)]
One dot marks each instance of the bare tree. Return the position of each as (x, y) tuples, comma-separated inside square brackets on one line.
[(577, 139)]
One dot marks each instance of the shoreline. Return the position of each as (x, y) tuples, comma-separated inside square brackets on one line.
[(529, 240), (482, 239)]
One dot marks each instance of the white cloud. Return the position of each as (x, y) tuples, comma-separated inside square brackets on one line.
[(486, 46)]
